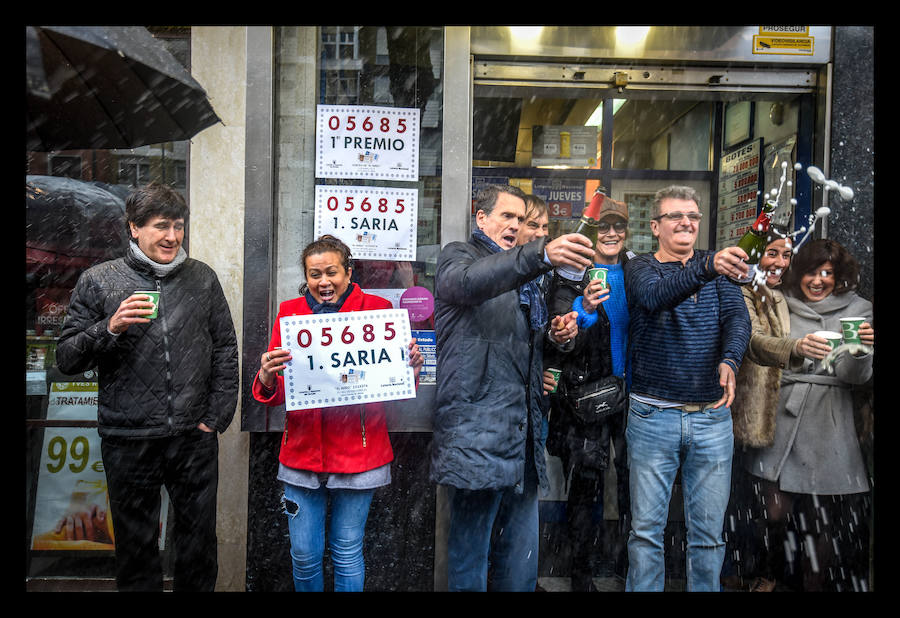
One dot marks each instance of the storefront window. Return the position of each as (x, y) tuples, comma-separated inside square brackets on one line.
[(74, 218), (399, 67), (658, 135), (383, 73)]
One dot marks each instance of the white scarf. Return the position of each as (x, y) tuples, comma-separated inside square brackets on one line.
[(160, 270)]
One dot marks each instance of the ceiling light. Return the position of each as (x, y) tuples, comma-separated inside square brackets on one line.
[(631, 35)]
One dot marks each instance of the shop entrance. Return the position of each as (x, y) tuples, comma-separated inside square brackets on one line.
[(562, 130)]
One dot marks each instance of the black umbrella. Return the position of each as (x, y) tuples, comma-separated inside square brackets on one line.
[(72, 223), (107, 87)]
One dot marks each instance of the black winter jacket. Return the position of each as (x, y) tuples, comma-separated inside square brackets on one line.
[(489, 367), (577, 444), (161, 378)]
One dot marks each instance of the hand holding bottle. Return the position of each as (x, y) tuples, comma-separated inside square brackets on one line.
[(570, 250), (731, 262), (587, 230)]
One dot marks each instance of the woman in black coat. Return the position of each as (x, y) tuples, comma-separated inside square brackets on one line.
[(584, 447)]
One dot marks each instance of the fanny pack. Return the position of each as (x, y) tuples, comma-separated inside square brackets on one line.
[(596, 400)]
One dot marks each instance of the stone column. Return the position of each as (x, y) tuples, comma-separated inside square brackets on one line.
[(852, 152), (216, 182)]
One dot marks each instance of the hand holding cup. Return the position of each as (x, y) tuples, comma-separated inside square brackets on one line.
[(138, 308), (595, 293), (551, 380), (271, 363)]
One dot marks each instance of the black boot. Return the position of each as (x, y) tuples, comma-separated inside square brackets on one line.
[(583, 582)]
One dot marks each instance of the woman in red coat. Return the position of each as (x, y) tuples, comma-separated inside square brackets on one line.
[(341, 452)]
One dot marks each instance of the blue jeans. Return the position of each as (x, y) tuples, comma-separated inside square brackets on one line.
[(306, 509), (512, 520), (660, 441)]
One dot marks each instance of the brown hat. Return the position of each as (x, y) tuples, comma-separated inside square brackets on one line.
[(613, 207)]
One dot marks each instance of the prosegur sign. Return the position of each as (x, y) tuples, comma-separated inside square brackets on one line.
[(793, 40)]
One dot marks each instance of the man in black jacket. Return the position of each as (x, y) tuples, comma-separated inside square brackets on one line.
[(490, 322), (166, 386)]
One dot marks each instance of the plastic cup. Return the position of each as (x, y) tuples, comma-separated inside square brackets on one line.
[(850, 329), (154, 298), (834, 339), (280, 371), (598, 274), (556, 374)]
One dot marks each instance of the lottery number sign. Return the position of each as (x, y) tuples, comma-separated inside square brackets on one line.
[(377, 143), (377, 223), (340, 359)]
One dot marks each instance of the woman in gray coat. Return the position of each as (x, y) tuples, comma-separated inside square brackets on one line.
[(813, 472)]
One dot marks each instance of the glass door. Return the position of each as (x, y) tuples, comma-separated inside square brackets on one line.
[(562, 131)]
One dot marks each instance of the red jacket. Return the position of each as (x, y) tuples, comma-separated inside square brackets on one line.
[(339, 439)]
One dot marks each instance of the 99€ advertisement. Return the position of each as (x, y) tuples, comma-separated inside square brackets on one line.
[(341, 359)]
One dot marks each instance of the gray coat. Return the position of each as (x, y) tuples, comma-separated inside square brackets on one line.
[(816, 449), (489, 367)]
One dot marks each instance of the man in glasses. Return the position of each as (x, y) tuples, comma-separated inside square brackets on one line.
[(689, 329)]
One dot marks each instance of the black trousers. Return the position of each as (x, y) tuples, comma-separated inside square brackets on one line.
[(136, 469)]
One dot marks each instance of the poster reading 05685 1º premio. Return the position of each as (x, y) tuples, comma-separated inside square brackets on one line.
[(366, 142)]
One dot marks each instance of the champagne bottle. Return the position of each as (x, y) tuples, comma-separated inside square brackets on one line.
[(588, 227), (753, 242)]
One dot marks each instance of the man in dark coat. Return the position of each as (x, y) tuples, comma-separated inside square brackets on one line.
[(490, 322), (167, 385)]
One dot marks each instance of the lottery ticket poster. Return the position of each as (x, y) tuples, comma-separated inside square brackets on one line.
[(376, 223), (371, 143), (341, 359)]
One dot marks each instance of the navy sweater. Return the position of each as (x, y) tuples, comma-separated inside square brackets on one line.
[(685, 320)]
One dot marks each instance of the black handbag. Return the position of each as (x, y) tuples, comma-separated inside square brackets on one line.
[(597, 400)]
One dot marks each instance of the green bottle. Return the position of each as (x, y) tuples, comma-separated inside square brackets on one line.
[(588, 227), (755, 240)]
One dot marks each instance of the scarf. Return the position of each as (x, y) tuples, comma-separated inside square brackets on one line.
[(160, 270), (818, 310), (326, 307), (530, 295)]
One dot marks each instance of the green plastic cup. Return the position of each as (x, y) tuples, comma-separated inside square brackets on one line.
[(556, 374), (834, 339), (154, 298), (850, 329), (598, 274)]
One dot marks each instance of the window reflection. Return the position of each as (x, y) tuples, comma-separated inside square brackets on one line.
[(393, 66), (74, 219)]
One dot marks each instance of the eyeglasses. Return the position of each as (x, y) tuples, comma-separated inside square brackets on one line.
[(618, 226), (678, 216)]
